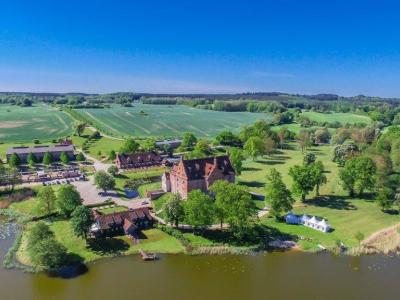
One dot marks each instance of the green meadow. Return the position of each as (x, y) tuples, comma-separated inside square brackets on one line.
[(42, 122), (167, 120), (343, 118)]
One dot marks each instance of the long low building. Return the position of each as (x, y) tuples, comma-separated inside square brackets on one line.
[(40, 151), (138, 160), (309, 221)]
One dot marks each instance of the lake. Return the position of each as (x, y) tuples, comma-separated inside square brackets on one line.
[(175, 277)]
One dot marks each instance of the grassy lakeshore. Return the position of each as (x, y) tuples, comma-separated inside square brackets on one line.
[(153, 240), (347, 216)]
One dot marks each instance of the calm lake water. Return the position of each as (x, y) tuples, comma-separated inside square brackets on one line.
[(180, 277)]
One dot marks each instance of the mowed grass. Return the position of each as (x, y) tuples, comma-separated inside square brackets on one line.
[(168, 120), (98, 148), (42, 122), (254, 172), (346, 216), (343, 118), (152, 240)]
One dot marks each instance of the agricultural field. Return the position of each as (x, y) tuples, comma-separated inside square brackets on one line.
[(42, 122), (343, 118), (167, 120)]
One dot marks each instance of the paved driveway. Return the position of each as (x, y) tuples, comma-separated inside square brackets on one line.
[(91, 195)]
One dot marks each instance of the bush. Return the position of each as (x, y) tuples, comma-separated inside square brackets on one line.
[(36, 141)]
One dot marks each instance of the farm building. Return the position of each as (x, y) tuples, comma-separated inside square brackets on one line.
[(138, 160), (200, 173), (126, 222), (40, 151), (171, 143), (309, 221)]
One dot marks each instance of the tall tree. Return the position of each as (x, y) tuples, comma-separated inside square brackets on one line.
[(188, 141), (80, 128), (14, 161), (386, 198), (234, 205), (254, 147), (80, 157), (32, 161), (269, 145), (148, 144), (130, 146), (104, 181), (48, 159), (68, 198), (174, 210), (277, 193), (236, 157), (113, 170), (358, 174), (318, 171), (64, 158), (199, 209), (47, 199), (304, 140), (112, 156), (81, 220), (43, 249), (303, 180)]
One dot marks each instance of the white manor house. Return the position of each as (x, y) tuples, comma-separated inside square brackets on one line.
[(309, 221)]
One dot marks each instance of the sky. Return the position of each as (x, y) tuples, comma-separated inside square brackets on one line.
[(307, 47)]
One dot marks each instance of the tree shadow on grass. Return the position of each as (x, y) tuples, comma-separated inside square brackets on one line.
[(251, 169), (252, 184), (106, 246), (333, 202), (271, 162)]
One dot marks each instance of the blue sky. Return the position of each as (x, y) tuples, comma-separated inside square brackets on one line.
[(344, 47)]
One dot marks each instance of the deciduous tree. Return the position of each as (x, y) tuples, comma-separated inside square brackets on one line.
[(47, 199), (104, 181), (199, 209), (277, 194), (174, 210), (81, 220), (68, 199)]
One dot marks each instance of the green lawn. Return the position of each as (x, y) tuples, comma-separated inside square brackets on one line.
[(29, 207), (152, 240), (254, 172), (343, 118), (346, 216), (167, 120), (42, 122), (110, 210), (99, 148)]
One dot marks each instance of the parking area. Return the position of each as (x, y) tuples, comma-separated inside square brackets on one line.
[(91, 195)]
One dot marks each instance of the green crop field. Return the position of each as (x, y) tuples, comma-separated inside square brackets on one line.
[(42, 122), (167, 120), (340, 117)]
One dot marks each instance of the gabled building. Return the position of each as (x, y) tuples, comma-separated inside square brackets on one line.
[(138, 160), (126, 222), (188, 175)]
